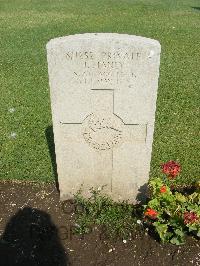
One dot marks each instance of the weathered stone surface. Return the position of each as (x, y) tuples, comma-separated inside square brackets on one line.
[(103, 94)]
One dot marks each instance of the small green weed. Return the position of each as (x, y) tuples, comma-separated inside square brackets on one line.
[(116, 219)]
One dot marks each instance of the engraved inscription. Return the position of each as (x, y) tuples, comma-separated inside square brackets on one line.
[(103, 77), (102, 132), (103, 69), (89, 55)]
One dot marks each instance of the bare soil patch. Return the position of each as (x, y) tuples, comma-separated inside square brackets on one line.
[(37, 229)]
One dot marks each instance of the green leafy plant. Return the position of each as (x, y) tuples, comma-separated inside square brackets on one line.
[(116, 219), (172, 214)]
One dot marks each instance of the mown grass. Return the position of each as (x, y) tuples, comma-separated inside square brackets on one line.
[(25, 28)]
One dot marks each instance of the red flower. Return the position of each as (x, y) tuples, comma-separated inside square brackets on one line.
[(190, 217), (163, 189), (171, 168), (151, 213)]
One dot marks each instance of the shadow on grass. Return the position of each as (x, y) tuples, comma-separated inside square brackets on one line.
[(196, 8), (31, 238), (50, 141)]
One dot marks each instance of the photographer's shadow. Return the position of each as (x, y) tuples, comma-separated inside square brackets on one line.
[(30, 238)]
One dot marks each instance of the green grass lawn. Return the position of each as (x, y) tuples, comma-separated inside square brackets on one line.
[(26, 27)]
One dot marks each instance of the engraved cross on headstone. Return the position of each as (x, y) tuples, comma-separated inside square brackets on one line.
[(103, 132)]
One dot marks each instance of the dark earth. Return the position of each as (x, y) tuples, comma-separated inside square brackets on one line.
[(37, 229)]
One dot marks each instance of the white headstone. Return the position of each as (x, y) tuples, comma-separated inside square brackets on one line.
[(103, 94)]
